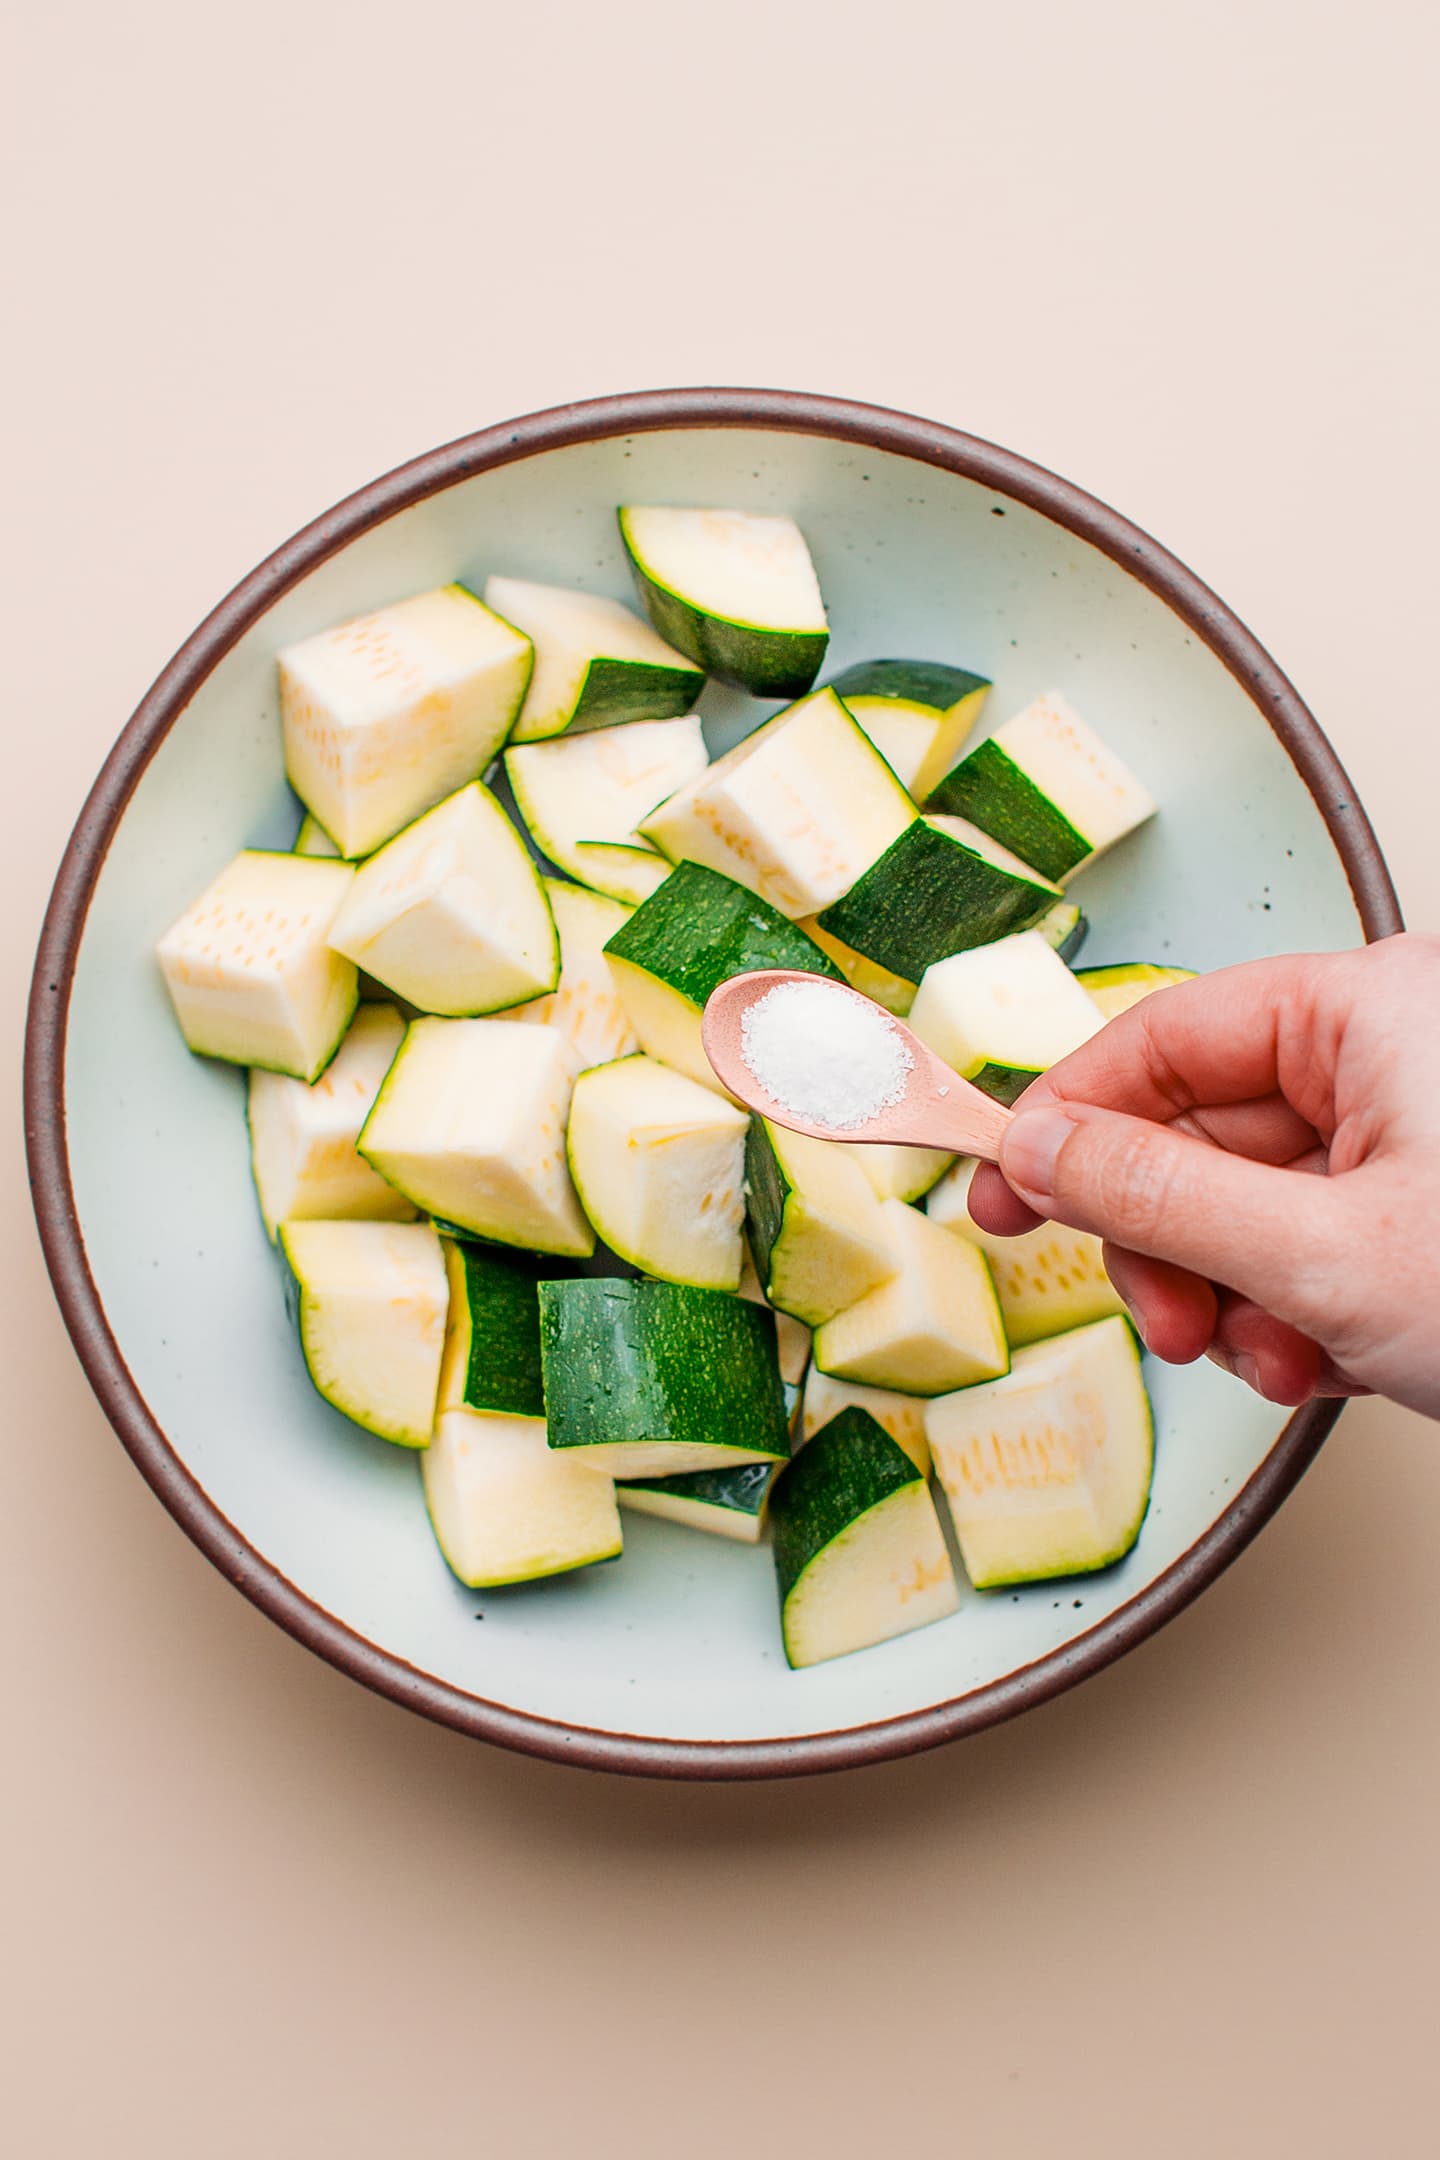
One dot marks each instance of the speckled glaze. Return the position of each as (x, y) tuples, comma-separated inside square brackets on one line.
[(927, 542)]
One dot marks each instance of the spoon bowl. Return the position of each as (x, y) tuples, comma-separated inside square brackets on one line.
[(937, 1110)]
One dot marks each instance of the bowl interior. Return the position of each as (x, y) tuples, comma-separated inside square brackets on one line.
[(680, 1640)]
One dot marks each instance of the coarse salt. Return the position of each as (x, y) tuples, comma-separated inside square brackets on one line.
[(824, 1053)]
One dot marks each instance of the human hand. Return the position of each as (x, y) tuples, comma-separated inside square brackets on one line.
[(1260, 1148)]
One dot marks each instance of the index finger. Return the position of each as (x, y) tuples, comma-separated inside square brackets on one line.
[(1240, 1034)]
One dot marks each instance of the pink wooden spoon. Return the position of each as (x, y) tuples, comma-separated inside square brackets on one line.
[(937, 1109)]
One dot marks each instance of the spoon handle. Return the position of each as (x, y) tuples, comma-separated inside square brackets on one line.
[(961, 1121)]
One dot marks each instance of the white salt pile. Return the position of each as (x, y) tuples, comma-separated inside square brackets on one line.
[(824, 1053)]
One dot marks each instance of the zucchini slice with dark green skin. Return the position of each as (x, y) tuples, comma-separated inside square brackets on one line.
[(814, 1223), (938, 889), (492, 1340), (697, 931), (597, 664), (918, 714), (651, 1379), (727, 1503), (1115, 989), (859, 1552), (735, 592)]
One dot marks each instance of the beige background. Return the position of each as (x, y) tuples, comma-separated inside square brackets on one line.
[(1182, 253)]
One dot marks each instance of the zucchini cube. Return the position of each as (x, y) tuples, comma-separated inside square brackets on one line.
[(584, 1005), (451, 914), (659, 1164), (934, 1326), (470, 1125), (1047, 1471), (1003, 1013), (302, 1138), (1046, 786), (797, 811), (386, 715), (371, 1301), (941, 888), (506, 1509), (249, 968), (596, 663)]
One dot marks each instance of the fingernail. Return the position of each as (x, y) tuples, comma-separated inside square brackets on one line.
[(1247, 1368), (1031, 1149)]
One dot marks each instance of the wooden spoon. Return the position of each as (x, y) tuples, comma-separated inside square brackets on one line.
[(937, 1110)]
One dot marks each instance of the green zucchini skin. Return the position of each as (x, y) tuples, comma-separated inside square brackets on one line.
[(1005, 1083), (701, 928), (554, 1266), (653, 1361), (1066, 927), (927, 897), (618, 690), (502, 1292), (989, 789), (767, 663), (850, 1466), (766, 1191), (914, 682)]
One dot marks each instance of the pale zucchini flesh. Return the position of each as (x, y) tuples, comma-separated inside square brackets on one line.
[(302, 1137), (1047, 1471), (371, 1301), (312, 839), (918, 713), (1003, 1013), (505, 1508), (898, 1173), (902, 1416), (581, 798), (814, 1224), (933, 1326), (1047, 1280), (798, 811), (470, 1125), (735, 591), (859, 1553), (1046, 786), (249, 968), (390, 713), (584, 1004), (597, 664), (451, 913), (895, 992), (659, 1164)]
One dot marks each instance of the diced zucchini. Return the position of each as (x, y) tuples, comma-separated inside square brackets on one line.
[(249, 970), (584, 1005), (392, 712), (582, 796), (814, 1223), (1003, 1013), (505, 1508), (659, 1164), (728, 1503), (1064, 927), (902, 1416), (738, 593), (1115, 989), (1047, 1471), (451, 913), (859, 1552), (1047, 1280), (918, 714), (370, 1299), (596, 662), (899, 1173), (492, 1337), (649, 1379), (470, 1125), (895, 992), (933, 1326), (1045, 785), (302, 1139), (941, 888), (696, 932), (792, 1337), (312, 839), (797, 811)]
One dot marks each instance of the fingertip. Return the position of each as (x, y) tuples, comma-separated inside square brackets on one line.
[(1173, 1310), (996, 1207)]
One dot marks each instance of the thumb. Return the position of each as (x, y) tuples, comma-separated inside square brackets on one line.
[(1272, 1234)]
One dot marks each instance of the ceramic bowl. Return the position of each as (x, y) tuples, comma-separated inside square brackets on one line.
[(927, 542)]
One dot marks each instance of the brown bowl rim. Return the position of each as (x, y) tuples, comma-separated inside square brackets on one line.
[(1011, 477)]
